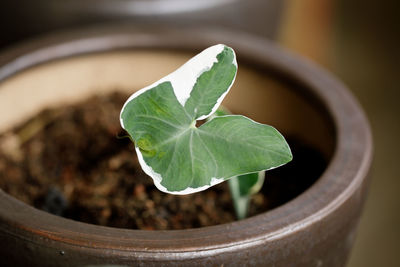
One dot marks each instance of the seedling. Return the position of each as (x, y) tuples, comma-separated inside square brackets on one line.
[(182, 158)]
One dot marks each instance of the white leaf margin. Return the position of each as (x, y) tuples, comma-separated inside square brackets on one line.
[(183, 80), (157, 178)]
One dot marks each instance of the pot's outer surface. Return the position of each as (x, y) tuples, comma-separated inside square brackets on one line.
[(30, 18), (315, 229)]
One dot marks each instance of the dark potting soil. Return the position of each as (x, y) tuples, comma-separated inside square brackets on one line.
[(76, 161)]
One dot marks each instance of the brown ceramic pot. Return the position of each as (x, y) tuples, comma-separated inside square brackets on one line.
[(24, 19), (317, 228)]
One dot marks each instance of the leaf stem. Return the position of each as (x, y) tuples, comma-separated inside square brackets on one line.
[(240, 203), (242, 188)]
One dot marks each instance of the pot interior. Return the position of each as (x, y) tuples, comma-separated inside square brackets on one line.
[(257, 93)]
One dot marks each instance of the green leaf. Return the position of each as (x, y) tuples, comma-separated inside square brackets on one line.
[(212, 86), (250, 183), (182, 158), (241, 188)]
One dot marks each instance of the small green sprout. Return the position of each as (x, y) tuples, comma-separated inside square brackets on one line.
[(182, 158)]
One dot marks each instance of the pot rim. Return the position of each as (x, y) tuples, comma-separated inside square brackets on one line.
[(344, 175)]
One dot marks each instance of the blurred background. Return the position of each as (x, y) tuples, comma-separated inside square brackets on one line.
[(356, 40), (359, 42)]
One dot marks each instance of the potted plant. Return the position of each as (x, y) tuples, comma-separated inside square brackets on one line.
[(315, 228)]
